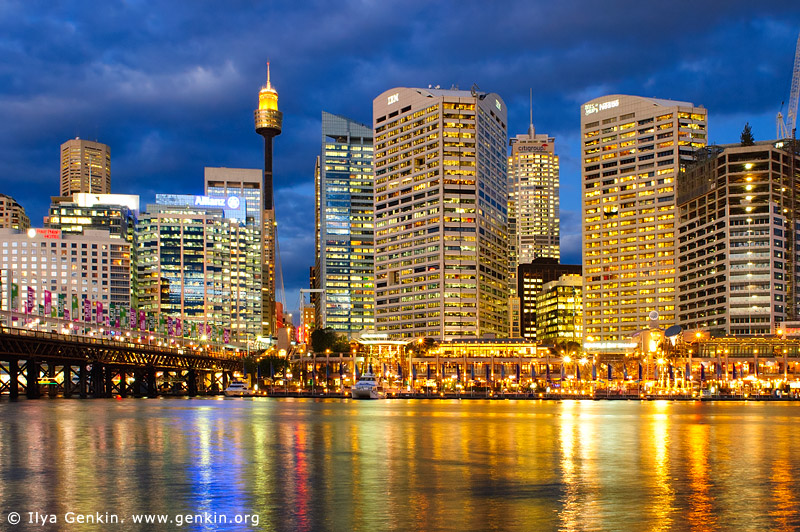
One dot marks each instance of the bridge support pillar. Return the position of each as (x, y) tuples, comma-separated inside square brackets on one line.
[(137, 383), (32, 378), (67, 381), (225, 376), (82, 391), (13, 375), (98, 386), (51, 375), (191, 382), (152, 390), (123, 383), (109, 382)]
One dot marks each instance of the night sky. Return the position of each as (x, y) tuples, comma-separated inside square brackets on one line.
[(172, 91)]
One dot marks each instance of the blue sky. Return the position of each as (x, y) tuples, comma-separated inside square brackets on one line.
[(171, 87)]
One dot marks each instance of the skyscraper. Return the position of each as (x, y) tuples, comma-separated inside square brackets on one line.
[(737, 239), (533, 218), (345, 225), (244, 183), (268, 120), (633, 149), (12, 214), (193, 263), (85, 167), (441, 233)]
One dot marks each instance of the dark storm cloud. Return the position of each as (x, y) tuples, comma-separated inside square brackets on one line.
[(172, 87)]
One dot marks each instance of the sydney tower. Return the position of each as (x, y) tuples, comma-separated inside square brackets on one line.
[(268, 125)]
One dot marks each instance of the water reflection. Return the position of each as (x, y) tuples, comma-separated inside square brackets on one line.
[(399, 465)]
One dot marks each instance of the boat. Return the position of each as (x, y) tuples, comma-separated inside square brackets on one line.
[(366, 388), (239, 388)]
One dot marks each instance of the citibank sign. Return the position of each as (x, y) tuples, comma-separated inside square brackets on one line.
[(592, 108)]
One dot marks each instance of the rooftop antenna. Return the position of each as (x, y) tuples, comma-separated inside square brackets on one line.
[(531, 129)]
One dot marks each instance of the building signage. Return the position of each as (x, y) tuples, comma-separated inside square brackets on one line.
[(497, 104), (528, 148), (608, 346), (49, 233), (393, 98), (205, 201), (592, 108)]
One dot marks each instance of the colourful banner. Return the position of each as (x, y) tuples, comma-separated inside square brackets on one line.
[(226, 336), (62, 305), (87, 310), (170, 329), (14, 304), (75, 307), (48, 304), (31, 299), (178, 327), (98, 314), (142, 319)]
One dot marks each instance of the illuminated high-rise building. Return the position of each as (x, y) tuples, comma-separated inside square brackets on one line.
[(85, 167), (441, 227), (193, 263), (268, 120), (244, 183), (633, 149), (737, 239), (559, 310), (114, 213), (345, 225), (12, 214), (533, 218)]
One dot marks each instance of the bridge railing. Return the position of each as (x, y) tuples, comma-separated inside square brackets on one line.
[(123, 341)]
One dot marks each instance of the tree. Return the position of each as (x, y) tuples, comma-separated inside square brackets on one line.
[(324, 339), (747, 135)]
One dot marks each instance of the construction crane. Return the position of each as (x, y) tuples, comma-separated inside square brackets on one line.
[(786, 128)]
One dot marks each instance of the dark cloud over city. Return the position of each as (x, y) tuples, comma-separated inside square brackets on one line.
[(171, 87)]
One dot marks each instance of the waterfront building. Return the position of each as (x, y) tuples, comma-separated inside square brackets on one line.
[(441, 248), (345, 225), (196, 263), (244, 183), (533, 194), (530, 280), (12, 214), (268, 123), (114, 213), (85, 167), (633, 149), (737, 239), (93, 265), (559, 311)]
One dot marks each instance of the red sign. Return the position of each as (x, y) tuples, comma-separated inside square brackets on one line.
[(49, 233)]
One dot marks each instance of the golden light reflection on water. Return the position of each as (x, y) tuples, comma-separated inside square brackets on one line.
[(659, 445), (400, 465), (701, 508)]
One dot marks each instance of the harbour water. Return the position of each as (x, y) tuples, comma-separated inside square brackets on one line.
[(299, 464)]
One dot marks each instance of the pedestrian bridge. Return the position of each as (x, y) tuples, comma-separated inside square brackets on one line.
[(36, 363)]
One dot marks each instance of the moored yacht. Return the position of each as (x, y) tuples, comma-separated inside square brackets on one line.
[(239, 388), (366, 388)]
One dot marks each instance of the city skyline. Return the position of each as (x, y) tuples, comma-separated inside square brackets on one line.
[(166, 120)]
